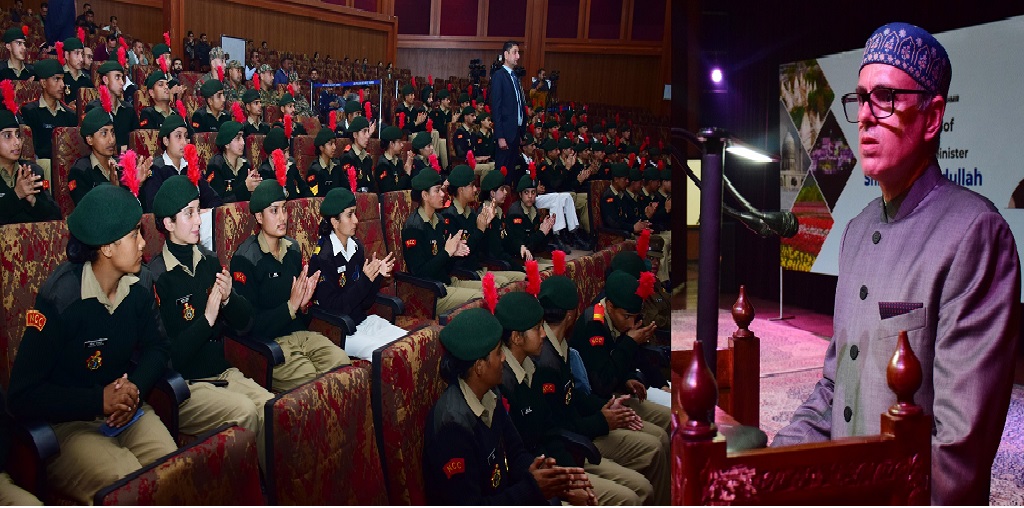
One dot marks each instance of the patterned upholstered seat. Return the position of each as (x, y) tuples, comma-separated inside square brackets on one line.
[(68, 147), (192, 103), (142, 100), (220, 468), (305, 153), (373, 148), (139, 75), (420, 302), (27, 91), (254, 150), (205, 147), (85, 96), (188, 80), (322, 449), (304, 223), (145, 142), (28, 146), (311, 124), (408, 384), (271, 113), (232, 224), (605, 236), (154, 238)]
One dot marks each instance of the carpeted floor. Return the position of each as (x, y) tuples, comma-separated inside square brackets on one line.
[(791, 361)]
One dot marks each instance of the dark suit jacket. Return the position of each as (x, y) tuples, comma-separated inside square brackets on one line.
[(504, 107)]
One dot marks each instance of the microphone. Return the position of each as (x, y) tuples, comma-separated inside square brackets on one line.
[(765, 224)]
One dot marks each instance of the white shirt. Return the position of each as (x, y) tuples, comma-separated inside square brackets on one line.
[(515, 90), (348, 250)]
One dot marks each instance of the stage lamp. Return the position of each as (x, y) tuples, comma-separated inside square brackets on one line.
[(716, 75), (748, 153)]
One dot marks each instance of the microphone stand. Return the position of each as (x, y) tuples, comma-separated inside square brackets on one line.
[(708, 265)]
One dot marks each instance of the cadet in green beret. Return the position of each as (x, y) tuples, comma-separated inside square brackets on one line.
[(24, 190), (320, 174), (429, 247), (608, 336), (210, 118), (74, 369), (528, 236), (268, 271), (297, 186), (350, 281), (49, 112), (635, 204), (229, 173), (392, 173), (423, 149), (404, 108), (441, 116), (197, 304), (493, 192), (615, 213), (100, 166), (483, 145), (159, 89), (550, 177), (472, 451), (461, 218), (352, 110), (575, 183), (15, 68), (125, 120), (629, 457), (464, 134), (173, 137), (253, 114), (521, 162), (74, 77), (287, 105), (599, 159), (416, 120), (357, 157)]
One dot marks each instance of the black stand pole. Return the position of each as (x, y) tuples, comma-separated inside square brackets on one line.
[(710, 237)]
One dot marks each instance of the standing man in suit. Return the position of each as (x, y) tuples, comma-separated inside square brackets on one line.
[(928, 257), (507, 107)]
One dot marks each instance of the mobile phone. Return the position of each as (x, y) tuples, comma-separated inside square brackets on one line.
[(109, 431)]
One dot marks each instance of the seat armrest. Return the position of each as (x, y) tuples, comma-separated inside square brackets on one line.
[(34, 443), (465, 274), (580, 447), (167, 395), (433, 285), (342, 321), (392, 302), (497, 265), (255, 356)]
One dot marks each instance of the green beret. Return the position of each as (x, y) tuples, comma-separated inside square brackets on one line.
[(666, 174), (7, 120), (597, 129), (628, 149), (581, 147), (654, 152), (611, 125), (558, 292), (227, 132), (358, 123), (468, 110), (275, 140), (155, 77), (12, 34), (518, 311), (159, 49), (323, 137), (635, 175), (337, 200), (250, 95), (567, 127), (492, 180), (170, 123), (471, 334), (266, 193), (94, 120), (564, 144), (104, 215), (550, 124), (286, 99), (548, 145), (621, 290), (109, 66), (210, 88), (463, 97), (482, 116), (389, 134), (598, 147), (620, 169), (630, 262), (174, 194), (425, 93), (652, 173), (420, 140), (625, 128), (352, 107), (408, 89), (72, 43), (424, 180), (525, 182), (442, 94), (47, 68), (460, 176)]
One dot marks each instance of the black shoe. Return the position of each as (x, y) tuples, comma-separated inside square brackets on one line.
[(559, 243), (581, 240)]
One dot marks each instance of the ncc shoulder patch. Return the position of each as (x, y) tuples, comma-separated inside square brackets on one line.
[(311, 178), (610, 200), (72, 185), (209, 177), (239, 276), (597, 340), (35, 319), (548, 388), (517, 220), (410, 242), (454, 467), (144, 122), (195, 125)]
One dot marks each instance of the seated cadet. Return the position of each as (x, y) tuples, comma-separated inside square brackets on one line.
[(210, 118), (528, 236), (49, 112), (429, 248), (416, 121), (351, 111), (99, 167), (493, 192), (460, 217), (75, 77), (287, 105), (320, 174), (349, 282), (267, 268), (404, 108), (577, 185), (422, 147), (159, 90), (10, 493), (472, 453), (634, 202), (276, 140), (357, 157), (661, 221), (15, 68), (562, 204), (441, 116), (600, 163), (615, 213), (173, 137), (521, 162), (24, 191), (464, 134), (392, 173), (253, 114), (483, 145), (125, 120), (74, 368), (608, 335), (189, 280), (228, 173)]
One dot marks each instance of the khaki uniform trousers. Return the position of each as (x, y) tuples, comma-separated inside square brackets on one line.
[(666, 255), (306, 356), (45, 165), (89, 461), (503, 278), (582, 204), (13, 495), (617, 485), (646, 452), (440, 148), (460, 292), (652, 412), (240, 403), (482, 168)]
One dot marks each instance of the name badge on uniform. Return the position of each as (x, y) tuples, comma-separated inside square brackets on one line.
[(47, 125), (95, 343), (273, 275), (433, 247), (341, 269)]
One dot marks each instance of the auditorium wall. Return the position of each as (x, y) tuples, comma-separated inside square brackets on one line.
[(443, 63), (623, 80)]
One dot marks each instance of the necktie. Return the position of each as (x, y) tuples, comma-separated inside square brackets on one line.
[(519, 100)]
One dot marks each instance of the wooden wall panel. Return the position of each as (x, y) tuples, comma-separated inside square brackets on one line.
[(624, 80), (296, 33), (442, 63)]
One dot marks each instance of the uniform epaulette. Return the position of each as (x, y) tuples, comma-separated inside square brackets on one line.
[(597, 312)]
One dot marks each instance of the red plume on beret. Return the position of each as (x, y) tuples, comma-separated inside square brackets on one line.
[(450, 87), (192, 157), (220, 73), (24, 30), (362, 95), (557, 135), (558, 258), (288, 126), (632, 159), (130, 172), (433, 162), (167, 39), (59, 46), (504, 171), (121, 42), (256, 80), (643, 243), (237, 113), (352, 178), (490, 292), (7, 88), (532, 168), (471, 91), (661, 165), (291, 90), (105, 99), (122, 56), (430, 125), (473, 103), (487, 108), (430, 79), (532, 278), (401, 119), (471, 159), (414, 81), (81, 35), (180, 106), (280, 167), (646, 287), (164, 66), (368, 111), (332, 120), (643, 162)]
